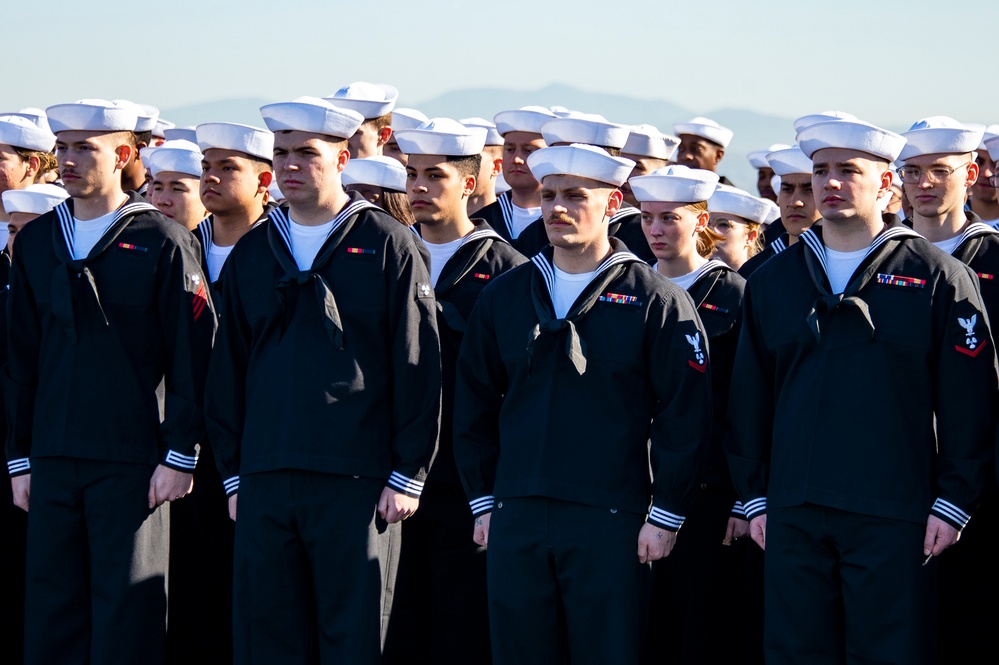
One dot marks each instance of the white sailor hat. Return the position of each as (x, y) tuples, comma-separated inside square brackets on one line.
[(177, 156), (992, 145), (826, 116), (34, 199), (20, 132), (36, 116), (563, 112), (381, 171), (253, 141), (161, 126), (570, 130), (92, 115), (580, 159), (734, 201), (526, 119), (181, 134), (852, 135), (311, 114), (788, 161), (648, 141), (674, 184), (758, 158), (146, 115), (403, 118), (990, 131), (371, 100), (939, 135), (442, 136), (774, 213), (706, 129), (492, 135)]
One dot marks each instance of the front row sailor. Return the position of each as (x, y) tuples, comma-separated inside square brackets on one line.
[(552, 437)]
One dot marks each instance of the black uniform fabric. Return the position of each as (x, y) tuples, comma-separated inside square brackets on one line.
[(625, 225), (334, 371), (776, 246), (440, 592), (89, 342), (564, 409), (877, 403), (499, 216)]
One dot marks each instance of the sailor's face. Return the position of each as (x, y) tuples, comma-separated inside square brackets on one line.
[(576, 210), (13, 169), (738, 237), (517, 146), (437, 191), (933, 199), (698, 153), (370, 193), (177, 196), (391, 149), (763, 186), (982, 190), (14, 226), (90, 161), (643, 166), (229, 180), (671, 229), (797, 205), (847, 183), (308, 165), (364, 142)]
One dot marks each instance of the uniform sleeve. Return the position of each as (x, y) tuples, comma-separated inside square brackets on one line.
[(225, 389), (965, 399), (751, 413), (480, 384), (21, 371), (187, 317), (416, 364), (681, 424)]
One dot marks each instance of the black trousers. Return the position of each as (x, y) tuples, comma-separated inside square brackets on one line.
[(440, 591), (97, 561), (14, 527), (544, 554), (308, 578), (847, 588)]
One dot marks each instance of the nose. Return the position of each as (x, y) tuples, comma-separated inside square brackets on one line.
[(518, 158)]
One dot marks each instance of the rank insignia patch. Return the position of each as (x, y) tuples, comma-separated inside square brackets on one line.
[(700, 360), (199, 301), (133, 248), (619, 299), (423, 290), (899, 280), (972, 346), (714, 308), (360, 250)]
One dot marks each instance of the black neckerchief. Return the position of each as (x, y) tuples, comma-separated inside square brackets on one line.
[(473, 248)]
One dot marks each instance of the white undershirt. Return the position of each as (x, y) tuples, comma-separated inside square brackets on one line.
[(568, 286), (685, 281), (307, 240), (949, 245), (841, 266), (522, 218), (86, 233), (216, 259), (440, 254)]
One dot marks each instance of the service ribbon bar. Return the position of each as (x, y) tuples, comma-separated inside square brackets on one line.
[(985, 275), (714, 308), (619, 299), (359, 250), (899, 280)]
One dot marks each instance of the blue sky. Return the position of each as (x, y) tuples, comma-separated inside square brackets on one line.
[(889, 62)]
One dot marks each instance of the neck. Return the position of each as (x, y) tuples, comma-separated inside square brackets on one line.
[(681, 265), (96, 206), (582, 259), (526, 198), (315, 213), (791, 239), (447, 231), (985, 209), (230, 226), (850, 235), (477, 202), (939, 227)]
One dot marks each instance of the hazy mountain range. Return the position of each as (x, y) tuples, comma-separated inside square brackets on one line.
[(753, 131)]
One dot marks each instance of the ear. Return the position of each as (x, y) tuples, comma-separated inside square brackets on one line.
[(886, 179), (719, 153), (343, 156), (264, 181), (497, 168), (469, 186), (752, 235), (972, 178), (124, 154), (614, 202), (702, 221), (383, 135), (32, 169)]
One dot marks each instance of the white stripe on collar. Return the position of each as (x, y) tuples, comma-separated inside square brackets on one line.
[(814, 243), (623, 213), (778, 245), (710, 266), (547, 269), (976, 229), (67, 222), (505, 201), (478, 234), (282, 221), (206, 231)]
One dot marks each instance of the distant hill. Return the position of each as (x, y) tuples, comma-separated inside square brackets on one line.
[(753, 131)]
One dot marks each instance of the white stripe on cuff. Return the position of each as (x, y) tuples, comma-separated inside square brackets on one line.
[(483, 504), (951, 511), (231, 485), (18, 465), (404, 484), (665, 517), (183, 461)]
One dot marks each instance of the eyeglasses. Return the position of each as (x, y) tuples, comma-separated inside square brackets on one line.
[(934, 176), (994, 180)]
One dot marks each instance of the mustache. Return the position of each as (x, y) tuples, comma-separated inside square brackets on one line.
[(562, 218)]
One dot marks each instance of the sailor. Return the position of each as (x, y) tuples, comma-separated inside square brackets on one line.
[(440, 592), (764, 173), (984, 201), (107, 300), (133, 176), (651, 150), (552, 437), (175, 189), (322, 401), (402, 118), (738, 218), (375, 102), (382, 182), (702, 144), (25, 157), (939, 171), (491, 166), (865, 425), (515, 209)]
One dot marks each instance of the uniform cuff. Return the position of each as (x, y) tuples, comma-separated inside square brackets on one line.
[(482, 505), (755, 507), (664, 519), (18, 467), (231, 485), (951, 514), (180, 462), (738, 510), (406, 485)]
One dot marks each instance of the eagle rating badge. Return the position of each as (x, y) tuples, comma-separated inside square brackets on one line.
[(699, 361), (972, 346)]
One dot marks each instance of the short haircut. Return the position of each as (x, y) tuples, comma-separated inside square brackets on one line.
[(381, 121), (143, 137), (467, 165), (46, 160), (259, 164)]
